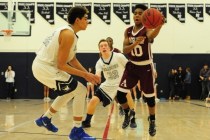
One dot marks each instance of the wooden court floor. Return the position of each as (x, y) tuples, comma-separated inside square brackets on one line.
[(176, 120)]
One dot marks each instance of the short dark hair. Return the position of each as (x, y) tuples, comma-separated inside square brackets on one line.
[(102, 40), (76, 12), (141, 6)]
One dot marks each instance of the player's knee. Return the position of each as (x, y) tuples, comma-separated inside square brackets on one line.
[(80, 89), (150, 101), (121, 97)]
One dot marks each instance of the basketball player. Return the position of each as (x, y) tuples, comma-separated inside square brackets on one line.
[(137, 41), (110, 41), (112, 65), (128, 96), (54, 66)]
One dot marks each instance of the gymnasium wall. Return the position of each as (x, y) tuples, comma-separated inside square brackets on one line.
[(28, 87), (175, 37), (178, 44)]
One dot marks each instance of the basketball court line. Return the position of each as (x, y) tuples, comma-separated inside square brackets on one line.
[(195, 104), (106, 130)]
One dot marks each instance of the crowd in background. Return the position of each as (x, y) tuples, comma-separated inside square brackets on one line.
[(180, 83)]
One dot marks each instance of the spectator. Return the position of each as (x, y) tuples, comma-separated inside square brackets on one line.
[(187, 83), (10, 81), (179, 81), (171, 75), (204, 81), (90, 86), (46, 94)]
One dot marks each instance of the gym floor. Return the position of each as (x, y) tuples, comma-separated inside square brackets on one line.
[(175, 120)]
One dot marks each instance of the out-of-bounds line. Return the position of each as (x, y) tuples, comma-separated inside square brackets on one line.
[(195, 104), (106, 130)]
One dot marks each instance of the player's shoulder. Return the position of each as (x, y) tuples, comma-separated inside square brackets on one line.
[(119, 55), (129, 29)]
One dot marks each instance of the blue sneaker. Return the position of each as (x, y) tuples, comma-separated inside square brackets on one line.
[(46, 122), (79, 134)]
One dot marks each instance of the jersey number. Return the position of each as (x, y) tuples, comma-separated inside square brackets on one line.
[(137, 51), (113, 74)]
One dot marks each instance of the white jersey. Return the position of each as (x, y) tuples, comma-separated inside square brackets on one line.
[(113, 70), (49, 50), (45, 64)]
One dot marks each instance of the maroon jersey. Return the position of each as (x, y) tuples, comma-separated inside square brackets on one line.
[(142, 51)]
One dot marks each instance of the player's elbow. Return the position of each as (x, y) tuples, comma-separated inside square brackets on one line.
[(61, 66)]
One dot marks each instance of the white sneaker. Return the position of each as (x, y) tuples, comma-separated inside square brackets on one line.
[(48, 99), (157, 100)]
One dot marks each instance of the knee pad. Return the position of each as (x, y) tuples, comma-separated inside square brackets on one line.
[(66, 87), (150, 101), (121, 97)]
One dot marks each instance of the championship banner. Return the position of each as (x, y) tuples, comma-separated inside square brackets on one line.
[(196, 10), (177, 11), (134, 4), (122, 10), (208, 9), (28, 6), (62, 9), (4, 6), (161, 7), (103, 11), (46, 10), (87, 5)]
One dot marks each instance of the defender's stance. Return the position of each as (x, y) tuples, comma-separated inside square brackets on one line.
[(112, 65), (54, 63), (137, 46)]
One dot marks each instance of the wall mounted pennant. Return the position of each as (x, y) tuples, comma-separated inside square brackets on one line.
[(103, 11), (87, 5), (46, 10), (208, 9), (4, 6), (177, 11), (28, 6), (162, 7), (122, 10), (62, 9), (196, 11)]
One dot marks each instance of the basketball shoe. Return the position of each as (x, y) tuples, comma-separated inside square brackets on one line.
[(86, 124), (126, 121), (152, 127), (132, 119), (79, 134), (46, 122), (121, 111), (129, 119)]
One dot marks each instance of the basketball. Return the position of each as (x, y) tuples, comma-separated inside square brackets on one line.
[(151, 18)]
